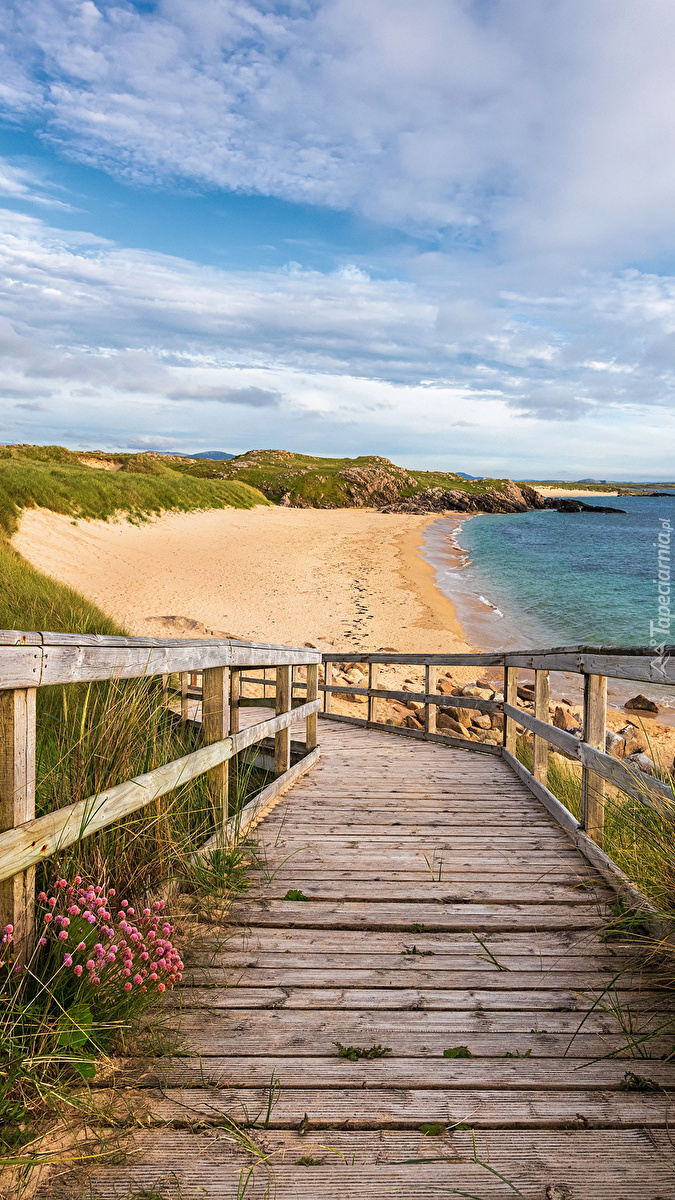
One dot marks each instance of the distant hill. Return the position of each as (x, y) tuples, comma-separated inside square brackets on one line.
[(305, 481), (218, 455)]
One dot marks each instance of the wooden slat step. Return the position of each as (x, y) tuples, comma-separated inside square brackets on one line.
[(350, 977), (382, 915), (580, 1164), (294, 1072), (399, 1108), (440, 892)]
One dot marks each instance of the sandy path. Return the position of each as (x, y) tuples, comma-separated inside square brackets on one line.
[(345, 576)]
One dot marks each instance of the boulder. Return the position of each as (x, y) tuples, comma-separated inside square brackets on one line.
[(461, 715), (614, 744), (412, 722), (447, 724), (640, 703), (497, 720), (525, 693), (560, 718), (643, 762), (481, 721)]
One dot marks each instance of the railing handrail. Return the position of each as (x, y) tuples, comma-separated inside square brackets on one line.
[(29, 660)]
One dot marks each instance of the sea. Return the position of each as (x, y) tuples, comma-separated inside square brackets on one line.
[(541, 579)]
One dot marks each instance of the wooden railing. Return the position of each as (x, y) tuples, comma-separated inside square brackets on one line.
[(32, 660), (594, 663)]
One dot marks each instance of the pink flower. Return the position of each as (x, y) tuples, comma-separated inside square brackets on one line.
[(160, 987), (43, 941), (67, 960), (78, 879), (126, 971), (138, 979), (48, 918), (90, 965), (74, 910), (42, 897), (52, 901), (95, 980), (110, 958), (63, 936), (127, 987), (81, 945), (77, 969), (111, 892), (125, 903)]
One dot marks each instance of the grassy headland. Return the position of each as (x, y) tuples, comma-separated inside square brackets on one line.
[(303, 480)]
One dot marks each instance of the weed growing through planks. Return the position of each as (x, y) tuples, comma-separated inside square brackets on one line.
[(436, 872), (490, 956), (295, 894), (420, 953), (519, 1053), (624, 923), (308, 1161), (638, 1083), (418, 928), (458, 1052), (354, 1053)]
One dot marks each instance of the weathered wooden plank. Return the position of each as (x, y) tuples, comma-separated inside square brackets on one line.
[(403, 1108), (535, 945), (593, 784), (353, 915), (36, 840), (402, 731), (286, 996), (349, 1164), (422, 660), (355, 971), (626, 662), (17, 806), (437, 699), (379, 1024), (548, 1074), (439, 891), (282, 739)]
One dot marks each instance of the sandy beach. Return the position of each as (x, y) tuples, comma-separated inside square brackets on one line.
[(582, 492), (351, 578)]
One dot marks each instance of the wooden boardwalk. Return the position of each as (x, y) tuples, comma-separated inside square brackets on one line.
[(450, 921)]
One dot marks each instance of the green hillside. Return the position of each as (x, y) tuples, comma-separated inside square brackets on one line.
[(303, 480)]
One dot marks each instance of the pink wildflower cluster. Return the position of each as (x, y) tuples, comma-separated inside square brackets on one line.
[(112, 949), (7, 939)]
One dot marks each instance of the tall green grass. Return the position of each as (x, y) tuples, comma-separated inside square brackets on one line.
[(639, 837), (141, 489)]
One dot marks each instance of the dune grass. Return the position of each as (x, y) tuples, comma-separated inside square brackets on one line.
[(143, 487), (638, 838)]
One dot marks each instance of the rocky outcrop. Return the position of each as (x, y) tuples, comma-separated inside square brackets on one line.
[(512, 498), (376, 486)]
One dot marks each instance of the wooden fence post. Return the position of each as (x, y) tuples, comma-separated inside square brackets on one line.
[(215, 726), (592, 785), (430, 710), (184, 684), (510, 697), (233, 774), (17, 804), (542, 695), (328, 679), (282, 739), (312, 693), (373, 678)]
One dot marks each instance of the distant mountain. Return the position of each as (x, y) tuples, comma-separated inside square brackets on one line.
[(220, 455), (463, 475)]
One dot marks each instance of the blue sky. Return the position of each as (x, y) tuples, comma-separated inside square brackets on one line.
[(441, 231)]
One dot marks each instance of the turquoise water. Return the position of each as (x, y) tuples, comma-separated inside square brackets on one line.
[(553, 579)]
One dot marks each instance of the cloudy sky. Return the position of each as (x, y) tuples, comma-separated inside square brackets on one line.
[(439, 230)]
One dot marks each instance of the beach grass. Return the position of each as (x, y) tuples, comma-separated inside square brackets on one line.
[(53, 478), (638, 837)]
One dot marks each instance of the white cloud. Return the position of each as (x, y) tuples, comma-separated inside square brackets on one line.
[(547, 125), (140, 345)]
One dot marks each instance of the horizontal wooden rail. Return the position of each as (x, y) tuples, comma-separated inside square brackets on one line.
[(36, 660), (631, 780), (422, 660), (437, 698), (31, 843)]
